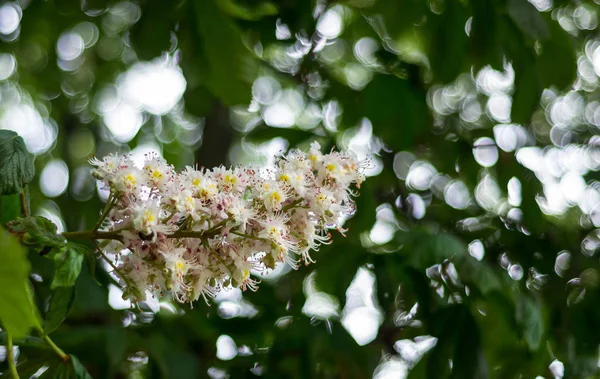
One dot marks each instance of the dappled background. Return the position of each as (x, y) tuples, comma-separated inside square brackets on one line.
[(473, 251)]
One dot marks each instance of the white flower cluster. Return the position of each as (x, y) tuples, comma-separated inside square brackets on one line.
[(197, 232)]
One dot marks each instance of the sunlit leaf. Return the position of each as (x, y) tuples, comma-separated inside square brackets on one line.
[(36, 232), (67, 262), (248, 11), (17, 313)]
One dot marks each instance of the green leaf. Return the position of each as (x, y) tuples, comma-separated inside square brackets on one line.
[(28, 341), (429, 249), (527, 89), (250, 12), (397, 110), (16, 163), (485, 35), (10, 208), (528, 19), (459, 339), (36, 232), (67, 262), (557, 62), (17, 312), (230, 70), (448, 44), (334, 275), (78, 369), (31, 360), (71, 369), (90, 258), (529, 316), (61, 303), (151, 35)]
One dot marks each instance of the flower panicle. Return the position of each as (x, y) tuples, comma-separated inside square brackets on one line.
[(193, 233)]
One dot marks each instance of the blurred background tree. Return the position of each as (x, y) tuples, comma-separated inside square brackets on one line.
[(473, 251)]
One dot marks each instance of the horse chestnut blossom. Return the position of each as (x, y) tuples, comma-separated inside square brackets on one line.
[(199, 231)]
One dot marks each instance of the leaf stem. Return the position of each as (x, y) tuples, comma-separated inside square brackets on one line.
[(24, 204), (57, 350), (12, 367)]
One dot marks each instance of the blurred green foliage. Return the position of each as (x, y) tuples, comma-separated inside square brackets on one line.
[(507, 288)]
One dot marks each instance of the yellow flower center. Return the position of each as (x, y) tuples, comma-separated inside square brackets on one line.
[(156, 174), (312, 157), (276, 196), (231, 179), (330, 167), (130, 179), (149, 216), (284, 178), (196, 182), (179, 265)]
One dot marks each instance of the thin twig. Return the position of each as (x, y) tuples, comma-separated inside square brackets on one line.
[(116, 234), (109, 204), (115, 268), (215, 254), (249, 236)]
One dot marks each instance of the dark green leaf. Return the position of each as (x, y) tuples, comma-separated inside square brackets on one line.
[(16, 163), (90, 259), (527, 89), (10, 208), (395, 108), (528, 19), (78, 369), (484, 35), (458, 340), (67, 262), (30, 362), (557, 62), (71, 369), (230, 70), (429, 249), (449, 43), (151, 35), (61, 303), (17, 313)]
